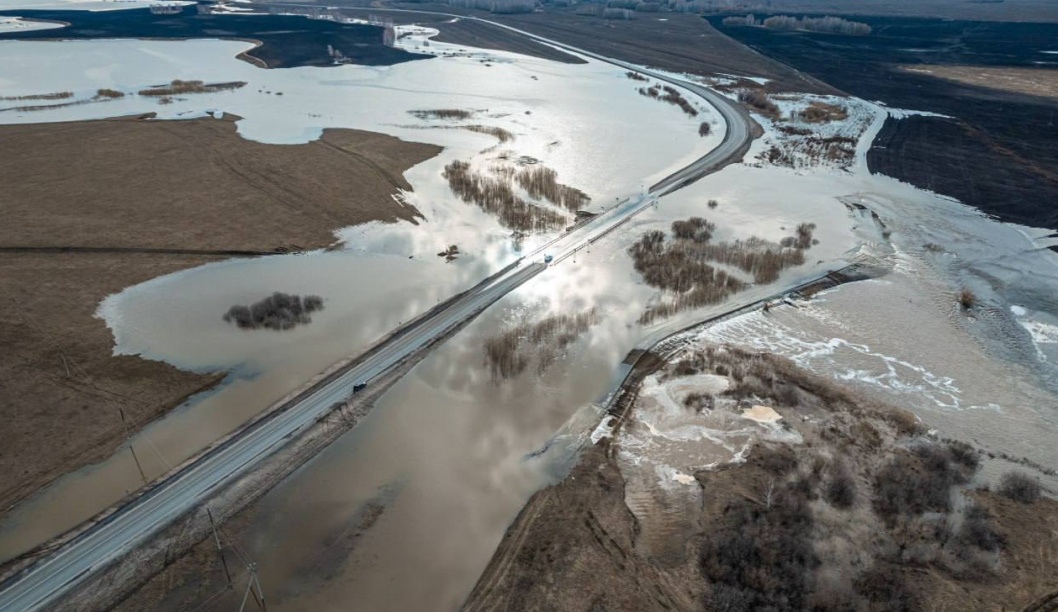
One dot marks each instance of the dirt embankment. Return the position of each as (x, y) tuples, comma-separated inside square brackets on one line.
[(136, 199), (865, 512)]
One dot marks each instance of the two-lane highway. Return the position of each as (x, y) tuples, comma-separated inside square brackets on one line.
[(56, 573)]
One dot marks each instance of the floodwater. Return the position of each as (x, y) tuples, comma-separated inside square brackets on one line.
[(385, 274)]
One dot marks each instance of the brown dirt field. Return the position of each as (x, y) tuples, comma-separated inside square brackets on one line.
[(1032, 81), (125, 191)]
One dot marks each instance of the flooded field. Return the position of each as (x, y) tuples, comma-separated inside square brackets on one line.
[(384, 274)]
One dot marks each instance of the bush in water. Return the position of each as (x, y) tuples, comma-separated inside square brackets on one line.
[(278, 311)]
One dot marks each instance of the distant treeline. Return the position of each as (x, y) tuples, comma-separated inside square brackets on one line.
[(827, 25)]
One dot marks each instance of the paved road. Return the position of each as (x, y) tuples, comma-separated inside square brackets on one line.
[(61, 570)]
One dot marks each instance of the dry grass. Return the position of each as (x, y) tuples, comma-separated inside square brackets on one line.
[(757, 100), (840, 150), (499, 133), (821, 112), (682, 267), (542, 183), (509, 354), (443, 113), (496, 196), (60, 95), (178, 87)]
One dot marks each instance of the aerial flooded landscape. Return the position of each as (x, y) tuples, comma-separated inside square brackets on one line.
[(578, 305)]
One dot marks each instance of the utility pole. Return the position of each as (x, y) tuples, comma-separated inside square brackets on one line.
[(128, 439), (220, 551)]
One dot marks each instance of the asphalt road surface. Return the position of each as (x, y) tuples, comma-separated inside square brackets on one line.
[(56, 573)]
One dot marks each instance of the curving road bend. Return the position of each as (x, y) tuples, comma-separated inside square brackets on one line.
[(56, 573)]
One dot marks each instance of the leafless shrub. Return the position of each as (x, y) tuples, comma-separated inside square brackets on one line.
[(695, 229), (279, 311), (757, 100), (1019, 486), (967, 299), (507, 354), (542, 183), (885, 588), (977, 531), (760, 556), (699, 401), (497, 197), (916, 482), (635, 76), (109, 94), (442, 113), (713, 203), (704, 129), (178, 87), (670, 95), (59, 95), (840, 491)]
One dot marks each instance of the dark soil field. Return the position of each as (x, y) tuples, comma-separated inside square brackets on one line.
[(93, 207), (681, 43), (286, 41), (999, 149)]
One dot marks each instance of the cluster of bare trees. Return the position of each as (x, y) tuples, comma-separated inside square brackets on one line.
[(109, 94), (279, 311), (509, 354), (669, 94), (442, 113), (542, 183), (496, 196), (682, 267), (499, 7), (178, 87), (59, 95), (826, 25)]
